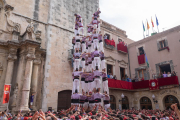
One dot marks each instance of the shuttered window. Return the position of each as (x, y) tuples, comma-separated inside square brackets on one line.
[(162, 44)]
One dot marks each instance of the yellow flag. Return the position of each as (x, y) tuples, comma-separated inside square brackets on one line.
[(148, 25)]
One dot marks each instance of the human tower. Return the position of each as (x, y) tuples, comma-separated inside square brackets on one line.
[(90, 52)]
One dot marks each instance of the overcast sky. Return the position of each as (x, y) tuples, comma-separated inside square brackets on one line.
[(129, 14)]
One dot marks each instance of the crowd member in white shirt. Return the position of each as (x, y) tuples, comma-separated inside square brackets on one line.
[(111, 76), (169, 74)]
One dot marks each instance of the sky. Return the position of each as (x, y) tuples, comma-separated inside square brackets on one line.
[(128, 15)]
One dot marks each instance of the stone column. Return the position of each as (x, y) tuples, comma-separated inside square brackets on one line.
[(35, 76), (10, 66), (11, 58), (27, 79)]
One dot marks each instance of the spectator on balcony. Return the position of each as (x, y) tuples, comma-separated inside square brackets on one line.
[(115, 77), (173, 73), (141, 52), (136, 79), (120, 41), (142, 79), (160, 75), (169, 74), (123, 79), (128, 79), (125, 44), (108, 76), (165, 75), (105, 37), (111, 76)]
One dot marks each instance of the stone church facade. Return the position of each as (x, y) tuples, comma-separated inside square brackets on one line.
[(35, 54), (35, 37)]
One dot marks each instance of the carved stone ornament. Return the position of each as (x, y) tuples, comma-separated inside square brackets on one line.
[(38, 35), (11, 26), (30, 53), (38, 59), (29, 33), (12, 54)]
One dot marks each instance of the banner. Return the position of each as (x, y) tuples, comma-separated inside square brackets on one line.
[(6, 96), (153, 84)]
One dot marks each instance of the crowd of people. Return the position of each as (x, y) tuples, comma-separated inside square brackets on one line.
[(78, 113)]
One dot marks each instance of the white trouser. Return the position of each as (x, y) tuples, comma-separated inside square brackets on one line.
[(98, 105), (86, 87), (75, 32), (83, 47), (99, 29), (83, 64), (105, 86), (76, 85), (101, 47), (103, 64), (86, 68), (77, 45), (89, 67), (93, 66), (95, 26), (91, 106), (88, 34), (96, 43), (85, 106), (90, 86), (97, 83), (89, 49), (107, 106), (81, 29), (96, 62), (76, 64), (83, 85)]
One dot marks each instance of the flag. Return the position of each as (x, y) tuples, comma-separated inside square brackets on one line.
[(148, 25), (147, 60), (6, 96), (152, 22), (143, 26), (157, 23)]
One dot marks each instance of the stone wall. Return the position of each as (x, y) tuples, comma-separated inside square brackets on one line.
[(60, 30)]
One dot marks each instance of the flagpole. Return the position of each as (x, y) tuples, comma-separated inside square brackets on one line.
[(158, 28)]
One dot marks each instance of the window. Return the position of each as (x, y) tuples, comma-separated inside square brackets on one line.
[(109, 69), (141, 50), (119, 40), (122, 72), (108, 36), (165, 68), (162, 44), (141, 73)]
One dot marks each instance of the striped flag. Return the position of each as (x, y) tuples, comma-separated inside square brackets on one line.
[(147, 60), (157, 23), (148, 25), (143, 26), (152, 22)]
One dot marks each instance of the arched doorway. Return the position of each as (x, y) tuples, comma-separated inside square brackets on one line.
[(64, 99), (145, 103), (169, 100), (113, 102), (125, 103)]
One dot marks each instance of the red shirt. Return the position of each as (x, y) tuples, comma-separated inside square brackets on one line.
[(25, 118)]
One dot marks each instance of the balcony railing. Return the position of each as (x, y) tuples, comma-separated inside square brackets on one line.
[(109, 44), (122, 48), (142, 84)]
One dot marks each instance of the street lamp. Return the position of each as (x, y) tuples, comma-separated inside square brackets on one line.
[(122, 96), (153, 97)]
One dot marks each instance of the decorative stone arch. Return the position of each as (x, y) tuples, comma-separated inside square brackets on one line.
[(162, 98), (113, 101), (139, 104), (125, 103)]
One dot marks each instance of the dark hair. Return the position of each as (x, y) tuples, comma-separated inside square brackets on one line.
[(96, 67), (76, 91), (76, 69), (76, 117)]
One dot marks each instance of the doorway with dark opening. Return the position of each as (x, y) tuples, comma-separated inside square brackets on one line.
[(165, 68), (122, 73), (109, 69)]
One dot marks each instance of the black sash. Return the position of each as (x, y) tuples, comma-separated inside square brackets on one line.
[(89, 45), (90, 62), (83, 41), (97, 76), (78, 40), (94, 37), (86, 100), (100, 41), (83, 59), (104, 78), (96, 55), (91, 101), (102, 58), (86, 81), (76, 57), (76, 77), (81, 101), (75, 100), (82, 79), (97, 100), (106, 102)]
